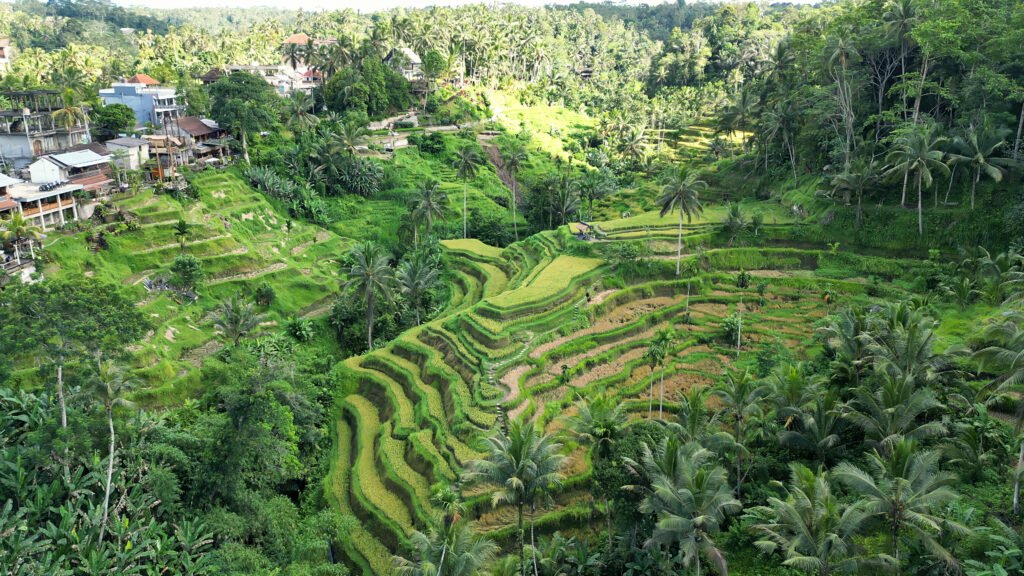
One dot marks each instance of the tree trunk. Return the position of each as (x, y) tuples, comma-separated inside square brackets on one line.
[(515, 225), (1020, 129), (661, 398), (608, 517), (522, 542), (974, 185), (860, 198), (369, 320), (60, 393), (245, 148), (952, 176), (533, 544), (903, 198), (920, 89), (465, 191), (650, 405), (679, 244), (1016, 482), (920, 213), (110, 473)]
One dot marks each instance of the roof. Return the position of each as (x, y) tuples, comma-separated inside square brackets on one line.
[(30, 192), (194, 126), (142, 78), (79, 159), (6, 180), (212, 76), (297, 38), (128, 142), (411, 56), (94, 146)]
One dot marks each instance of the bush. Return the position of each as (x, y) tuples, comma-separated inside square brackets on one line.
[(301, 329), (730, 328), (264, 294), (186, 272)]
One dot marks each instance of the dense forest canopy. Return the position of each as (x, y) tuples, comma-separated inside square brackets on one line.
[(588, 289)]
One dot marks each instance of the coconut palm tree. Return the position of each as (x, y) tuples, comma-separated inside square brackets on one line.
[(663, 340), (346, 138), (594, 185), (819, 427), (1004, 356), (690, 496), (857, 182), (905, 489), (236, 319), (72, 114), (813, 529), (513, 158), (979, 153), (599, 422), (455, 550), (842, 335), (523, 464), (415, 277), (682, 191), (893, 412), (741, 396), (467, 164), (654, 356), (16, 229), (298, 111), (918, 152), (182, 231), (110, 387), (370, 275), (428, 204)]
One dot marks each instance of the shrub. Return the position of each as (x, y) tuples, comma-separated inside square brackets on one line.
[(264, 295), (730, 328), (301, 329), (186, 272)]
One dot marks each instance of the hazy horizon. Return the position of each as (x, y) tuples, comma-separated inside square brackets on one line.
[(362, 6)]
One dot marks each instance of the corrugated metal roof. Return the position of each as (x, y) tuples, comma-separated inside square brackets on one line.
[(79, 159), (6, 180), (128, 142)]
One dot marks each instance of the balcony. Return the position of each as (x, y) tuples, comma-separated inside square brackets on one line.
[(46, 208)]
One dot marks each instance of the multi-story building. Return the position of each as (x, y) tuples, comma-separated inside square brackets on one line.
[(6, 55), (149, 103), (28, 128), (45, 205), (85, 169)]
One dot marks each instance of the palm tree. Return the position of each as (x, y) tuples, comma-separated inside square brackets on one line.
[(979, 150), (294, 53), (905, 489), (111, 385), (893, 412), (346, 138), (741, 398), (918, 152), (370, 275), (1005, 356), (813, 530), (513, 158), (298, 111), (182, 230), (455, 550), (599, 422), (857, 182), (523, 464), (654, 356), (682, 191), (900, 342), (842, 336), (467, 163), (415, 277), (236, 319), (663, 340), (428, 204), (71, 114), (594, 185), (17, 228), (820, 424), (690, 496)]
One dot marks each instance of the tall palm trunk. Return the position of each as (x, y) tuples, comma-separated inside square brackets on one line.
[(1020, 129), (369, 319), (110, 472), (974, 185), (920, 212), (533, 543), (515, 225), (465, 191), (1016, 482), (650, 405), (60, 392), (608, 517), (661, 399), (952, 176), (903, 198), (245, 148), (679, 243), (522, 541)]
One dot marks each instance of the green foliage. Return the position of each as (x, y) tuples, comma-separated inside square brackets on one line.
[(186, 272), (109, 121)]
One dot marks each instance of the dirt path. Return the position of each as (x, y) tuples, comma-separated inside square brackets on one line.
[(250, 275), (511, 381), (600, 297)]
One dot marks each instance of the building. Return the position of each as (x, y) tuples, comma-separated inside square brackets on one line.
[(6, 55), (212, 76), (141, 78), (149, 103), (135, 152), (405, 61), (85, 169), (7, 204), (45, 205), (28, 129), (277, 75)]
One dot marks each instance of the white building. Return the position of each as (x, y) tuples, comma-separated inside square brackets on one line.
[(86, 169), (149, 103), (136, 152), (47, 206)]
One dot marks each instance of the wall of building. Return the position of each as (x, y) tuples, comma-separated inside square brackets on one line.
[(137, 156), (44, 172), (142, 104)]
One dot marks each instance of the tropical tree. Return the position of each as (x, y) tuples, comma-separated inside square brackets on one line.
[(919, 152), (690, 496), (346, 137), (369, 274), (244, 103), (467, 163), (663, 340), (842, 334), (16, 229), (594, 185), (71, 114), (857, 182), (681, 192), (523, 464), (905, 489), (428, 204), (654, 356), (182, 231), (447, 550), (415, 277), (236, 319), (298, 111), (893, 412), (599, 422), (741, 396), (110, 388), (513, 157), (811, 528), (979, 154), (820, 427)]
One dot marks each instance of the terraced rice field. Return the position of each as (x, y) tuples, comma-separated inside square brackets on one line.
[(521, 340)]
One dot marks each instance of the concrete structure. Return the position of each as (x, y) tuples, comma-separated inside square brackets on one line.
[(405, 61), (150, 104), (46, 206), (6, 55), (85, 169), (27, 128), (136, 152), (7, 204)]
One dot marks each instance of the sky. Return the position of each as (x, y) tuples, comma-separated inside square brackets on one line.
[(360, 5)]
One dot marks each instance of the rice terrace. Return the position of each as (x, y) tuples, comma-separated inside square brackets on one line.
[(687, 288)]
